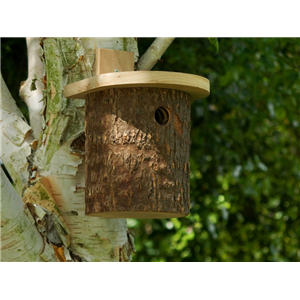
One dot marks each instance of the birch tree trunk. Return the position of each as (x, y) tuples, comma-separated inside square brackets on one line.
[(47, 163), (20, 239)]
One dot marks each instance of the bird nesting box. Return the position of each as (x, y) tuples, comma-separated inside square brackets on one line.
[(137, 128)]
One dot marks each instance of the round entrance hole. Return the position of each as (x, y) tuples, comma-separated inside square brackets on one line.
[(162, 115)]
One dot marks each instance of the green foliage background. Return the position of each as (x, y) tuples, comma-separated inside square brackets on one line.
[(245, 153)]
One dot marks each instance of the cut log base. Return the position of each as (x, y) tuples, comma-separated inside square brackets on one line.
[(137, 153), (137, 215)]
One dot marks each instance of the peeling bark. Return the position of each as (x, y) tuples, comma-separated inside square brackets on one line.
[(17, 142), (20, 239), (31, 92)]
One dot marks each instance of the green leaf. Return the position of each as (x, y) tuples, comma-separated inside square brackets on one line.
[(215, 43)]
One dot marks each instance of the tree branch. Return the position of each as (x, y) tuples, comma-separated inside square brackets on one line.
[(17, 140), (33, 97), (20, 239), (154, 53)]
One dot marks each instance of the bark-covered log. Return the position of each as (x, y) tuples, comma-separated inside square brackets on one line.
[(137, 153)]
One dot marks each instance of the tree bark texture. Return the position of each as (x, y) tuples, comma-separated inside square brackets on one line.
[(137, 153), (20, 239)]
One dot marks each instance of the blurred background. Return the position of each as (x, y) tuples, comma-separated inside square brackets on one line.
[(245, 152)]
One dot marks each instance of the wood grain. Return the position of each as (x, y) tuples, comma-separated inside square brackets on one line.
[(196, 86), (108, 60)]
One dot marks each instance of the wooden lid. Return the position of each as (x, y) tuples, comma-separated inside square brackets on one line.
[(196, 86)]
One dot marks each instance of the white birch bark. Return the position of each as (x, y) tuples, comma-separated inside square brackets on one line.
[(154, 53), (20, 239), (17, 141), (31, 90)]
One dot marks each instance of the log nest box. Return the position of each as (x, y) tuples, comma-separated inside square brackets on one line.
[(137, 129)]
